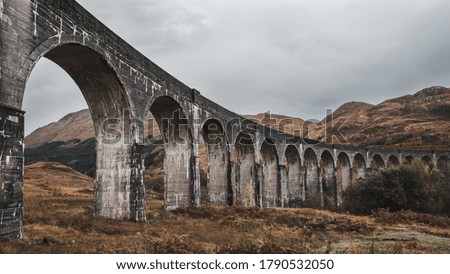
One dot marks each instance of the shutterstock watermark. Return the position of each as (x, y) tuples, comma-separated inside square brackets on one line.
[(173, 127)]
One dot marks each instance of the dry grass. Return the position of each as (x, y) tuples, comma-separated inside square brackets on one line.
[(59, 219)]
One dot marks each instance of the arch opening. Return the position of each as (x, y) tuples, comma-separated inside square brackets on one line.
[(408, 160), (246, 190), (97, 81), (359, 168), (393, 161), (295, 184), (428, 161), (328, 181), (270, 177), (344, 175), (313, 189), (178, 152), (377, 163), (118, 183), (218, 187)]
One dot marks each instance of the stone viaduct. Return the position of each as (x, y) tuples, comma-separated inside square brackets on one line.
[(248, 164)]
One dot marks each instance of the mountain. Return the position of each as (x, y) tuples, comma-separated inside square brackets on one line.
[(73, 126), (290, 125), (420, 122), (71, 141)]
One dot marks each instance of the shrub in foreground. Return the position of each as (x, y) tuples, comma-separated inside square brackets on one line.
[(413, 187)]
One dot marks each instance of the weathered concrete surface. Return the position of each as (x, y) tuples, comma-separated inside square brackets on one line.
[(328, 179), (248, 164), (218, 179), (270, 183), (313, 189), (246, 191), (344, 175), (359, 168), (11, 172), (295, 180)]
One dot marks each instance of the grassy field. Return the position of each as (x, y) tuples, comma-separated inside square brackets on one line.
[(59, 219)]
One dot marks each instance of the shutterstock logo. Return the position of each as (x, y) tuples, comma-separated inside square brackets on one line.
[(328, 131), (173, 127)]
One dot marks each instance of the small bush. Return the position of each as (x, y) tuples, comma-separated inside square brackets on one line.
[(295, 203), (415, 187), (155, 183), (329, 203), (313, 200)]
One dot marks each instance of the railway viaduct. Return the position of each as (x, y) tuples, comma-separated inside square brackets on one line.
[(248, 164)]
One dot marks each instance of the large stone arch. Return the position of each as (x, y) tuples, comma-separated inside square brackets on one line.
[(359, 168), (328, 180), (119, 191), (219, 191), (377, 163), (79, 57), (246, 189), (295, 184), (344, 174), (178, 147), (270, 177), (392, 161), (313, 188)]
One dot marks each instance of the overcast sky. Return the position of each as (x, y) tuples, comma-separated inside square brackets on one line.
[(294, 57)]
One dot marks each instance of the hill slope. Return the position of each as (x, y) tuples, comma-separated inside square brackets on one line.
[(290, 125), (73, 126), (58, 218), (71, 141), (420, 121)]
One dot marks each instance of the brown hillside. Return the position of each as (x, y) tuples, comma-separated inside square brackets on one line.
[(77, 125), (56, 179), (58, 218), (352, 107), (290, 125), (419, 121)]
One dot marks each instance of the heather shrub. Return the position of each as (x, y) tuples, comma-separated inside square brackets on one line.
[(413, 187)]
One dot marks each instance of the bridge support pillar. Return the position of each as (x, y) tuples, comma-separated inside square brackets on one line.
[(11, 172), (320, 191), (259, 185), (119, 191), (196, 184), (232, 178), (283, 184)]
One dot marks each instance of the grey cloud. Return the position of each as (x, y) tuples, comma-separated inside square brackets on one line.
[(152, 25), (292, 57)]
